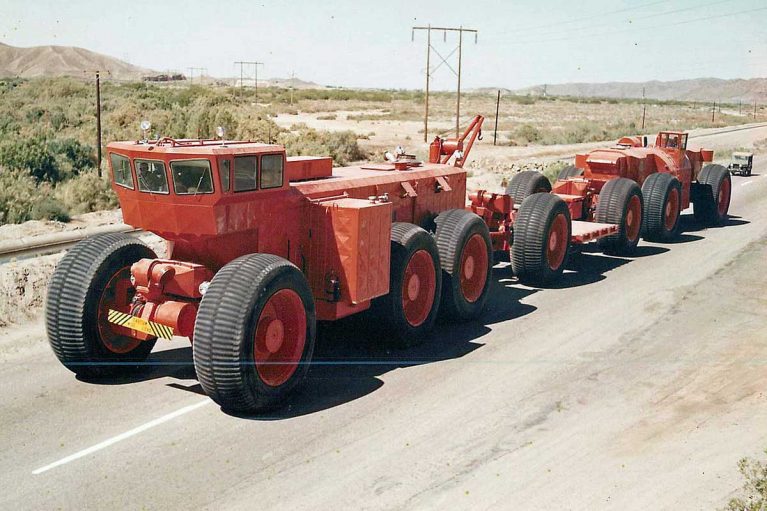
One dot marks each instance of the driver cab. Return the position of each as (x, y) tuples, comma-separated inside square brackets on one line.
[(671, 140)]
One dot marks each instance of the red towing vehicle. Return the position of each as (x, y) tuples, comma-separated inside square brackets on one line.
[(262, 246), (641, 188)]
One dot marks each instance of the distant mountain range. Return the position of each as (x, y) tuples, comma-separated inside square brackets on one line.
[(697, 89), (48, 61), (39, 61)]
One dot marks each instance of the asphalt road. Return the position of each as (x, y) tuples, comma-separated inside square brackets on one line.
[(637, 383)]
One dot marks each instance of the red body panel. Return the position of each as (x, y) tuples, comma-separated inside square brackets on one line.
[(211, 229), (629, 159)]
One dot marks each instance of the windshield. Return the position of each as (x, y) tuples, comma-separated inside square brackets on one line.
[(151, 176), (739, 157), (191, 177)]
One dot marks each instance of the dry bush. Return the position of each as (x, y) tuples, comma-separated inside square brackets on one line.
[(754, 491), (22, 199), (18, 196), (86, 193), (551, 170), (342, 146)]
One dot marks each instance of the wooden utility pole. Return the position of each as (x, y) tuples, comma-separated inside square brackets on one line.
[(192, 70), (428, 75), (754, 109), (458, 95), (644, 108), (255, 79), (429, 49), (713, 111), (497, 106), (98, 122)]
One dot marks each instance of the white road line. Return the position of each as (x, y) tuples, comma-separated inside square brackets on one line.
[(122, 436)]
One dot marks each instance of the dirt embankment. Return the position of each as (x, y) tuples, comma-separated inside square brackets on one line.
[(23, 283)]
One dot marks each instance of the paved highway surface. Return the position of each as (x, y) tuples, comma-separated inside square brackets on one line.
[(637, 383)]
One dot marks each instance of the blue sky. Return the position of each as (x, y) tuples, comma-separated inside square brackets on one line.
[(368, 44)]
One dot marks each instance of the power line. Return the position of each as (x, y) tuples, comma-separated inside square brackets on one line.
[(647, 16), (587, 18), (594, 35), (429, 71), (683, 9)]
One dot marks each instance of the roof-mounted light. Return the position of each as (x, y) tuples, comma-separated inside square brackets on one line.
[(145, 127)]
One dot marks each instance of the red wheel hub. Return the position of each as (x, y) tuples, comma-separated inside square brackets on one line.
[(633, 221), (419, 287), (671, 212), (117, 295), (557, 242), (474, 267), (280, 337), (723, 201)]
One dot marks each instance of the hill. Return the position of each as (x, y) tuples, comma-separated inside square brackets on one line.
[(47, 61), (697, 89)]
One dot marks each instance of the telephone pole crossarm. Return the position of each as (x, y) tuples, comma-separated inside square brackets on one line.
[(429, 48), (242, 64)]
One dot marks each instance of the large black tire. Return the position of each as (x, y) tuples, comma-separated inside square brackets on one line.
[(662, 194), (236, 316), (569, 171), (620, 202), (712, 194), (408, 312), (466, 257), (541, 245), (526, 183), (71, 307)]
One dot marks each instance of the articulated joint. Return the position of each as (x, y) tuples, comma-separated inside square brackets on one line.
[(170, 292)]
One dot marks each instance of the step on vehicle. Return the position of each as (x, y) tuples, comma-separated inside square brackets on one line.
[(261, 246), (639, 187)]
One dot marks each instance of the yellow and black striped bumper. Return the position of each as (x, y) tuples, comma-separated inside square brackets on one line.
[(140, 324)]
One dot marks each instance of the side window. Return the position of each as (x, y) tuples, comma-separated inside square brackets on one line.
[(121, 170), (191, 177), (151, 176), (271, 171), (245, 172), (223, 169)]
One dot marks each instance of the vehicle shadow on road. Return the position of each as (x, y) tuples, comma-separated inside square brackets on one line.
[(174, 363), (586, 266), (689, 224), (352, 354)]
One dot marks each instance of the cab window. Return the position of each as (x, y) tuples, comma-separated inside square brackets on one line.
[(191, 177), (271, 171), (151, 176), (224, 174), (245, 173), (121, 170)]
